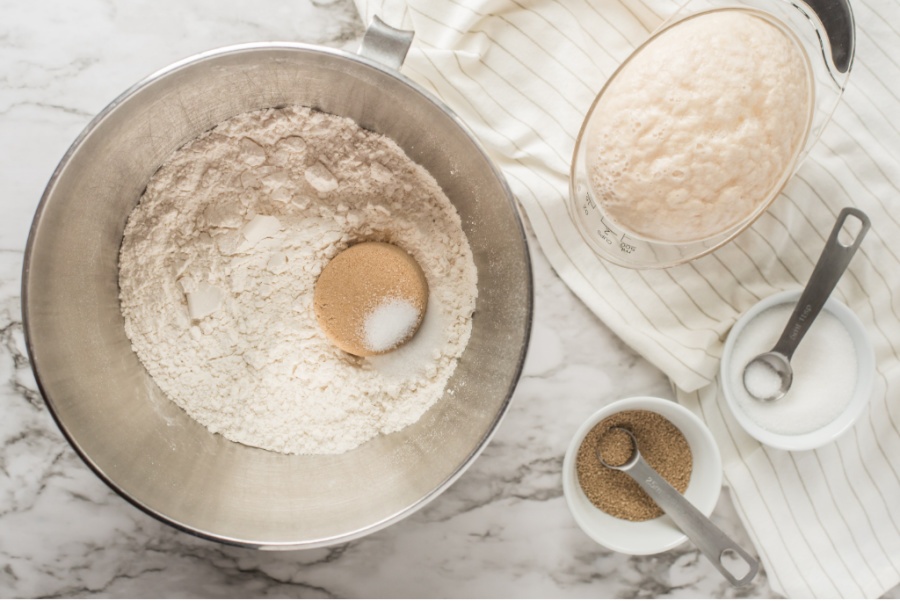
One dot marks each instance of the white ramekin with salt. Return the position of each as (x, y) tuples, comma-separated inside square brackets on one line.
[(834, 369)]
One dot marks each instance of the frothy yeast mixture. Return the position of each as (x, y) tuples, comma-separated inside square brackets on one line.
[(699, 127)]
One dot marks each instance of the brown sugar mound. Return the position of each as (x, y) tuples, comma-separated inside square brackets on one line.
[(616, 447), (356, 283)]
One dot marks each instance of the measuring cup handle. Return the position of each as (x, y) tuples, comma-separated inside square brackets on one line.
[(828, 270), (711, 541)]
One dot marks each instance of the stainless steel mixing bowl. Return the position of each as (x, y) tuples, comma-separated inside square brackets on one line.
[(148, 449)]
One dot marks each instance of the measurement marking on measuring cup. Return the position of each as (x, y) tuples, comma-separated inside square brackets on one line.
[(606, 233), (589, 203)]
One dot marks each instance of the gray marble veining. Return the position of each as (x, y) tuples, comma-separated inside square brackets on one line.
[(502, 530)]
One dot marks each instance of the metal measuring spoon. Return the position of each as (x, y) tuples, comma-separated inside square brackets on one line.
[(768, 376), (711, 541)]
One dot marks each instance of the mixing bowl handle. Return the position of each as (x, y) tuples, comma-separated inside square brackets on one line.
[(385, 44)]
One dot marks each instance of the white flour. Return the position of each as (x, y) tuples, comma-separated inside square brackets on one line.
[(220, 258)]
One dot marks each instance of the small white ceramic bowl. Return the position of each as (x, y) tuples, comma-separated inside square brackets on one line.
[(659, 534), (865, 376)]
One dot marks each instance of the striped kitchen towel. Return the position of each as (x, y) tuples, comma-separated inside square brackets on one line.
[(522, 74)]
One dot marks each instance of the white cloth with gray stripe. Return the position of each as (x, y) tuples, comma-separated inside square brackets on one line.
[(522, 74)]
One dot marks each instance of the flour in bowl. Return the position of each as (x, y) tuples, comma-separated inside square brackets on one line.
[(218, 266)]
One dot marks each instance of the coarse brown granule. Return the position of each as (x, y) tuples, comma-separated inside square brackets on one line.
[(661, 444), (616, 447)]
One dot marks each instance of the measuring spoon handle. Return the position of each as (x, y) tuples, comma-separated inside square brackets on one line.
[(711, 541), (828, 270)]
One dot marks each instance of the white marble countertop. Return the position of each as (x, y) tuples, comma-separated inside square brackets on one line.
[(502, 530)]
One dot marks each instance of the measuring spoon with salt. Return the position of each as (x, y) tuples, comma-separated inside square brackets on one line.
[(738, 566), (768, 376)]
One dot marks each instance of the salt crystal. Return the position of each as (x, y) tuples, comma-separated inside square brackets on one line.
[(389, 324), (825, 372), (761, 380)]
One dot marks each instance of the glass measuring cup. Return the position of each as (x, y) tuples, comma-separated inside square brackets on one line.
[(821, 29)]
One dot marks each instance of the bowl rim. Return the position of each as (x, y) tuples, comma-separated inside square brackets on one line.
[(861, 395), (705, 500), (170, 70)]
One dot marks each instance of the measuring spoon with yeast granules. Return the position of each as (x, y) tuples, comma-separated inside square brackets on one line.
[(622, 454), (768, 376)]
